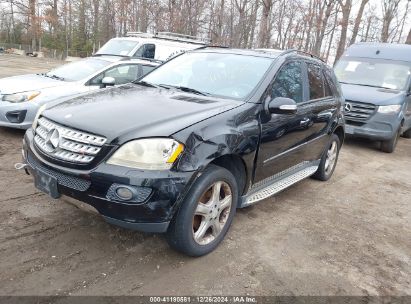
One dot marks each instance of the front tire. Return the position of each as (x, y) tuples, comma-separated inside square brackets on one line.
[(388, 146), (329, 160), (205, 216)]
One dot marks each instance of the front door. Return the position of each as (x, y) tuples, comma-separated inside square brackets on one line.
[(283, 135)]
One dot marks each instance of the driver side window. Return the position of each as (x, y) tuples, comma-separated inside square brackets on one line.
[(122, 74), (288, 82)]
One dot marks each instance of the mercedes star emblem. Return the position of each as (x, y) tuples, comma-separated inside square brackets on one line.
[(348, 107), (52, 140)]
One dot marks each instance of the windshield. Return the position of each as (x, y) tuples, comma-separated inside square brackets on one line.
[(118, 47), (78, 70), (224, 75), (373, 72)]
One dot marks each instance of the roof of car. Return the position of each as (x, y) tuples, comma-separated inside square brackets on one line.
[(389, 51), (114, 59), (270, 53)]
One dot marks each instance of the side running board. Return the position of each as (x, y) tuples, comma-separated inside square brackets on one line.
[(280, 182)]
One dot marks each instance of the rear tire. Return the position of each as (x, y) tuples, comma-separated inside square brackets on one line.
[(329, 160), (388, 146), (205, 216), (407, 134)]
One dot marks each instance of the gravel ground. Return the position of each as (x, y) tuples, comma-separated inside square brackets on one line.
[(348, 236)]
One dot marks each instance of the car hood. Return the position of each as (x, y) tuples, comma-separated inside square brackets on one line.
[(132, 111), (24, 83), (377, 96)]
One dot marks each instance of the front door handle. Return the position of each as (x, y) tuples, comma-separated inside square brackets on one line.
[(305, 122)]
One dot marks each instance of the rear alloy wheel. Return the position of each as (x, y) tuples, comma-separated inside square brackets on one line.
[(206, 214), (388, 146), (329, 160)]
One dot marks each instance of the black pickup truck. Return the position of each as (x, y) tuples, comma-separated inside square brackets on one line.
[(208, 132)]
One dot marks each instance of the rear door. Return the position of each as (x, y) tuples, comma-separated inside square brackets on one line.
[(322, 106)]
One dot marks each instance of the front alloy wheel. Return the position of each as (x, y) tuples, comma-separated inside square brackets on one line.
[(212, 213), (206, 214)]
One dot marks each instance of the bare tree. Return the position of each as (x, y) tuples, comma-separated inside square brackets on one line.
[(346, 10), (390, 9), (358, 21)]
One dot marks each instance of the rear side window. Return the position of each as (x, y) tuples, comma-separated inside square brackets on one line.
[(315, 81), (327, 87), (288, 82)]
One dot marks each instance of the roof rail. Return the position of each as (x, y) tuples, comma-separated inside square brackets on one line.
[(142, 58), (301, 53), (171, 36), (309, 54)]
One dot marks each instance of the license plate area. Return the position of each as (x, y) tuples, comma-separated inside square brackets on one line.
[(46, 183)]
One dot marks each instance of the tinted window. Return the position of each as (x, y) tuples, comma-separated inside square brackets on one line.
[(146, 51), (327, 86), (315, 81), (288, 82), (147, 69), (122, 74)]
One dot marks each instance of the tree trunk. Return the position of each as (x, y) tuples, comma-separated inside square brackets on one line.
[(346, 9), (408, 41), (263, 35), (358, 21)]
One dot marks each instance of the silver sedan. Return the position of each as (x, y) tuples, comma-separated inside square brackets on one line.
[(21, 96)]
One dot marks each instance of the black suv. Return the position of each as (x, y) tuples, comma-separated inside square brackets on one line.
[(208, 132)]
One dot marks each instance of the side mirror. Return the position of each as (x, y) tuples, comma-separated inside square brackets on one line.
[(282, 105), (108, 81)]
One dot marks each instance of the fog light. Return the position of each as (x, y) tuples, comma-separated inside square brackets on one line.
[(124, 193)]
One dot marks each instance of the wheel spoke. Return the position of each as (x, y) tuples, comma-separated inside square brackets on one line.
[(202, 210), (225, 203), (215, 197), (199, 234), (216, 228)]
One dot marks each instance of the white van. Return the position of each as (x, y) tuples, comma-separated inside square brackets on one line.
[(160, 46)]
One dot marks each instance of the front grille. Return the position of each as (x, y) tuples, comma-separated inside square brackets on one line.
[(65, 180), (67, 144), (359, 111)]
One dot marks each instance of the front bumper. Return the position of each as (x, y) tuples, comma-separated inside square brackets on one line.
[(92, 187), (378, 127), (17, 115)]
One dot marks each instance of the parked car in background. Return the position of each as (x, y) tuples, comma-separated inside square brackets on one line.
[(161, 46), (376, 83), (207, 132), (21, 96)]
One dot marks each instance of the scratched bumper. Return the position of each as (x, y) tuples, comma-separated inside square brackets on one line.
[(154, 214)]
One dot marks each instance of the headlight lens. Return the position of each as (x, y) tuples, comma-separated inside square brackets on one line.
[(21, 97), (36, 118), (389, 109), (148, 154)]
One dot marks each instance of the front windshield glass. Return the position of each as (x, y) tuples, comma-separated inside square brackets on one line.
[(218, 74), (78, 70), (373, 72), (118, 47)]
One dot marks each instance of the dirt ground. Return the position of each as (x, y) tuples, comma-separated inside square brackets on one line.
[(348, 236)]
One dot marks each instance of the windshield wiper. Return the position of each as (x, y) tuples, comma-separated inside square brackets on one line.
[(146, 84), (185, 89), (53, 76), (366, 85)]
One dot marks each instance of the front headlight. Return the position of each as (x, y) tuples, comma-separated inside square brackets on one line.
[(148, 154), (21, 97), (389, 109), (36, 118)]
